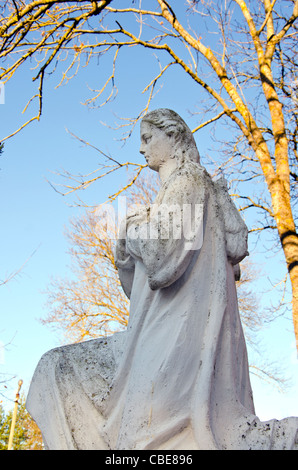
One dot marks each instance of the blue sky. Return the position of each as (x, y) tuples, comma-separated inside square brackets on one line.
[(34, 216)]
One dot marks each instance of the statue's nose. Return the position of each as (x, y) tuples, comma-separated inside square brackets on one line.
[(142, 151)]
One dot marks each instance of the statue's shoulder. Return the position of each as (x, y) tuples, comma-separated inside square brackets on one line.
[(221, 186), (193, 171)]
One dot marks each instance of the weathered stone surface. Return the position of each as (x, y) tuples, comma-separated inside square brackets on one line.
[(178, 377)]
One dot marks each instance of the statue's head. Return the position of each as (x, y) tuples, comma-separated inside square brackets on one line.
[(173, 125)]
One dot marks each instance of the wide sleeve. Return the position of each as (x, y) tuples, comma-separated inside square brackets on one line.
[(173, 231), (124, 262), (236, 232)]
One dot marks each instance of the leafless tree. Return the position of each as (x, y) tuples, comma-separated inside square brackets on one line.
[(248, 73)]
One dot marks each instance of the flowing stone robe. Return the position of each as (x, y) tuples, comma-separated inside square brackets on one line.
[(178, 377)]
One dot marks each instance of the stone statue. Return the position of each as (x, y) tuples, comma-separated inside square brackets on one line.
[(177, 377)]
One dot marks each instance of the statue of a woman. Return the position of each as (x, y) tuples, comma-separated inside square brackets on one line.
[(178, 377)]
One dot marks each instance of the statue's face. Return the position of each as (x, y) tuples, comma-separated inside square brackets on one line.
[(156, 146)]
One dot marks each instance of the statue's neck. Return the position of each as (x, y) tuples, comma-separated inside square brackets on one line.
[(167, 169)]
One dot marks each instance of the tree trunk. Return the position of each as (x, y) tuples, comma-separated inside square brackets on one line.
[(288, 237), (279, 186)]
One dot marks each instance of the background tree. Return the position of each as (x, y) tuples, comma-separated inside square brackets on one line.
[(27, 435), (3, 430), (248, 73), (91, 303)]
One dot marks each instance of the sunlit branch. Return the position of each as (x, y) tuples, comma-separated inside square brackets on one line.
[(114, 90), (84, 181), (268, 19), (37, 116), (254, 204), (215, 118)]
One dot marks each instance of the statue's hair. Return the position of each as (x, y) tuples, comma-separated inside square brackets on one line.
[(172, 124)]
